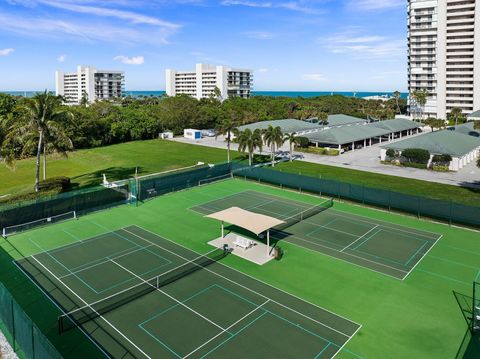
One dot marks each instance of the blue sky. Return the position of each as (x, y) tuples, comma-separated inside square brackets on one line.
[(310, 45)]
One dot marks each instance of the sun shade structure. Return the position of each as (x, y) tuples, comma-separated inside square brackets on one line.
[(253, 222)]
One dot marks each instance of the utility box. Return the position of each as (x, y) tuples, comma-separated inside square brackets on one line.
[(165, 135), (192, 134)]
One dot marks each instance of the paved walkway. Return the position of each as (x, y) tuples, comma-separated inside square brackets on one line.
[(367, 159)]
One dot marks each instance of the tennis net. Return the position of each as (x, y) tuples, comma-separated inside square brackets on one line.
[(11, 230), (296, 218), (94, 310)]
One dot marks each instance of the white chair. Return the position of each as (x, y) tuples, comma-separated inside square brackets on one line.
[(243, 242)]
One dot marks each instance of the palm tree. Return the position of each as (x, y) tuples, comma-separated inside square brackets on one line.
[(249, 141), (396, 96), (273, 137), (456, 114), (226, 128), (40, 126), (292, 140), (421, 97)]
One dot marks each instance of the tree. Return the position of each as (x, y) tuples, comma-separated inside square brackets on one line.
[(249, 141), (396, 96), (416, 155), (40, 124), (226, 128), (273, 137), (434, 123), (420, 97), (456, 115), (84, 99), (292, 140)]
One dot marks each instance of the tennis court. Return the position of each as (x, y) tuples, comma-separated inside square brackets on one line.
[(138, 295), (384, 247)]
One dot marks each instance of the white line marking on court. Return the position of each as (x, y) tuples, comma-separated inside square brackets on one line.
[(60, 308), (136, 285), (249, 289), (363, 236), (344, 260), (99, 315), (330, 229), (169, 296), (416, 264), (343, 346), (226, 329), (105, 260)]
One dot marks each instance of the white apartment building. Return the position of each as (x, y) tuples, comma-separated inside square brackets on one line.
[(201, 82), (90, 82), (444, 54)]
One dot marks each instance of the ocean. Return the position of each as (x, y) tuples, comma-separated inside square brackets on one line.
[(292, 94)]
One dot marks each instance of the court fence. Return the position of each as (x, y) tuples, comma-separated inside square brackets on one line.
[(157, 185), (21, 333), (448, 211), (79, 201)]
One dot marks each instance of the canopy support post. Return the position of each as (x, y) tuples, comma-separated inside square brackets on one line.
[(223, 230), (268, 243)]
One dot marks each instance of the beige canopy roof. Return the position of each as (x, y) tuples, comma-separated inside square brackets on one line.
[(254, 222)]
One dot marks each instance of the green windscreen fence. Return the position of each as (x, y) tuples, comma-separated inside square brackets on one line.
[(81, 201), (420, 206), (21, 333), (156, 185), (476, 308)]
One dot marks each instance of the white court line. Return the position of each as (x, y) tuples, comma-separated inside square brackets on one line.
[(169, 296), (226, 329), (104, 260), (363, 236), (418, 262), (249, 289), (60, 308), (136, 285), (384, 223), (100, 316), (348, 254)]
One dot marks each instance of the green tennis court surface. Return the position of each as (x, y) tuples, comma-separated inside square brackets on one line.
[(139, 295), (385, 247)]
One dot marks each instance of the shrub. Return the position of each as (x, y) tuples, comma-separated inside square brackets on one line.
[(391, 153), (416, 155), (54, 184), (440, 168), (446, 158), (415, 165), (303, 142), (441, 159)]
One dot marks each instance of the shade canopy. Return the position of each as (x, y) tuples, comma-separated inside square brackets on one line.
[(253, 222)]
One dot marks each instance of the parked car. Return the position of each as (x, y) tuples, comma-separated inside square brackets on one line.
[(208, 133)]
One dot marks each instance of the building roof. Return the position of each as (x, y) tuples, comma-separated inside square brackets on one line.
[(287, 125), (357, 132), (439, 143), (466, 128), (254, 222), (475, 114), (340, 120), (346, 134), (396, 125)]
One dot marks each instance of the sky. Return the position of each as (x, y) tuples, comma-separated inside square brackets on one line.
[(302, 45)]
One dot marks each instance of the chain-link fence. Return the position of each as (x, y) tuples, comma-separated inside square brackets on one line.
[(21, 333), (81, 201), (448, 211)]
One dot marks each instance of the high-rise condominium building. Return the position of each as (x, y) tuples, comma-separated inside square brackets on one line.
[(201, 82), (90, 83), (444, 54)]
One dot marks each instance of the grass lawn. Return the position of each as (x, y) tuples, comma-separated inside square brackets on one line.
[(398, 184), (414, 318), (85, 167)]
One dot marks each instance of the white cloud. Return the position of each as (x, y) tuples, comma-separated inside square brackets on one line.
[(355, 43), (313, 77), (89, 31), (368, 5), (135, 60), (62, 58), (6, 52), (263, 70), (260, 35), (298, 6)]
